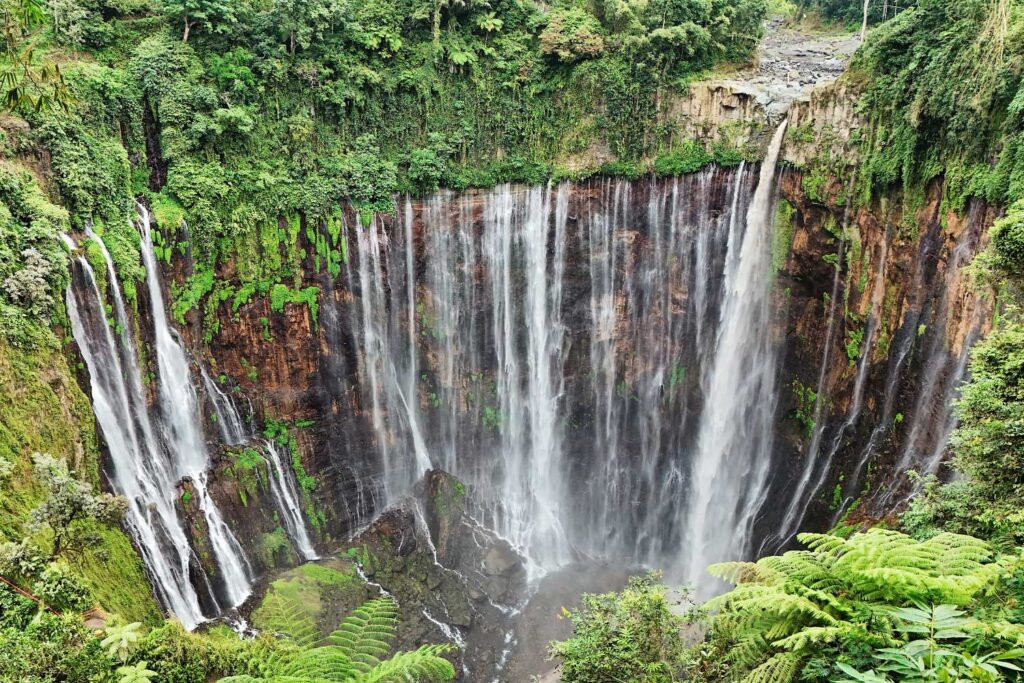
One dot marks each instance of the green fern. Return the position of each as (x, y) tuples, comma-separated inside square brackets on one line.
[(425, 665), (842, 594), (354, 652), (366, 635), (286, 616)]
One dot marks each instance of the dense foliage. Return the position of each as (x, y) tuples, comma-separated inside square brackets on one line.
[(628, 636), (942, 84), (355, 652), (801, 615), (851, 12)]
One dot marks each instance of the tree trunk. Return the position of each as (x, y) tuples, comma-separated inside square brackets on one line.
[(864, 26), (188, 27)]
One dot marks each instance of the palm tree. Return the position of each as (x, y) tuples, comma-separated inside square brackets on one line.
[(352, 654)]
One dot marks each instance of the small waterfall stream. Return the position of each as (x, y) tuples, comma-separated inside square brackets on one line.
[(179, 408), (153, 449)]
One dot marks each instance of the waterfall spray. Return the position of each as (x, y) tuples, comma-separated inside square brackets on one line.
[(729, 474)]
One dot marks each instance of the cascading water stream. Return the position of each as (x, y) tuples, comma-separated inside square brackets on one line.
[(233, 432), (183, 434), (139, 472), (282, 486), (817, 468), (729, 473), (287, 499)]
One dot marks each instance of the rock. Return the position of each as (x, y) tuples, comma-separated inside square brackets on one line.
[(449, 574), (500, 559)]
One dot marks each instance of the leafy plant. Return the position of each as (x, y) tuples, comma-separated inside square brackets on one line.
[(121, 640), (631, 636), (355, 651), (136, 673), (843, 599), (943, 645)]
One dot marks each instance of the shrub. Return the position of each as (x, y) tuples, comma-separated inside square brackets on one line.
[(629, 636)]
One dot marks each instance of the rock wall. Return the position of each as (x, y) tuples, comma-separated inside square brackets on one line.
[(875, 313)]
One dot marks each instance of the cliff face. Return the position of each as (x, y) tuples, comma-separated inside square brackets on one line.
[(874, 315)]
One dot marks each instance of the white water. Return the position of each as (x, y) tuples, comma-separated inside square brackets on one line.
[(531, 441), (283, 489), (814, 464), (182, 431), (286, 496), (139, 467), (729, 473), (233, 432)]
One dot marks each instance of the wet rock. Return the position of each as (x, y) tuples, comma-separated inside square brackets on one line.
[(455, 580)]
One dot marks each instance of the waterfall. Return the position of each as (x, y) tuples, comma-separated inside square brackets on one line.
[(516, 239), (558, 351), (815, 464), (729, 472), (286, 496), (283, 489), (233, 432), (179, 408), (140, 471)]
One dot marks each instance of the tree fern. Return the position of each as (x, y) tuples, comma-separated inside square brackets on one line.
[(327, 663), (365, 636), (844, 594), (287, 616), (354, 651), (425, 665), (781, 668)]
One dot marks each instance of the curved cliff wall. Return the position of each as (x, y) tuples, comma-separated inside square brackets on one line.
[(873, 315), (599, 361)]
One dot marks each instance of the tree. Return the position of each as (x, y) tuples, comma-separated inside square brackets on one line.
[(440, 6), (572, 35), (68, 503), (631, 636), (27, 86), (212, 14), (304, 23)]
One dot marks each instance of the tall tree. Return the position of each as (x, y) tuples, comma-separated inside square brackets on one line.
[(27, 85), (208, 13)]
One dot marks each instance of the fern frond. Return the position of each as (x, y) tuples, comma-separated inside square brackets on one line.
[(425, 665), (327, 663), (288, 617), (781, 668), (365, 636), (738, 572)]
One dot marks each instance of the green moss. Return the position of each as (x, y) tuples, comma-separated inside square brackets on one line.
[(806, 399), (116, 579), (45, 411), (167, 211), (250, 472), (782, 238), (281, 295), (814, 185), (317, 595)]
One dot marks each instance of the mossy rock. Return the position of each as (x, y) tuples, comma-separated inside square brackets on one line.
[(309, 601)]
